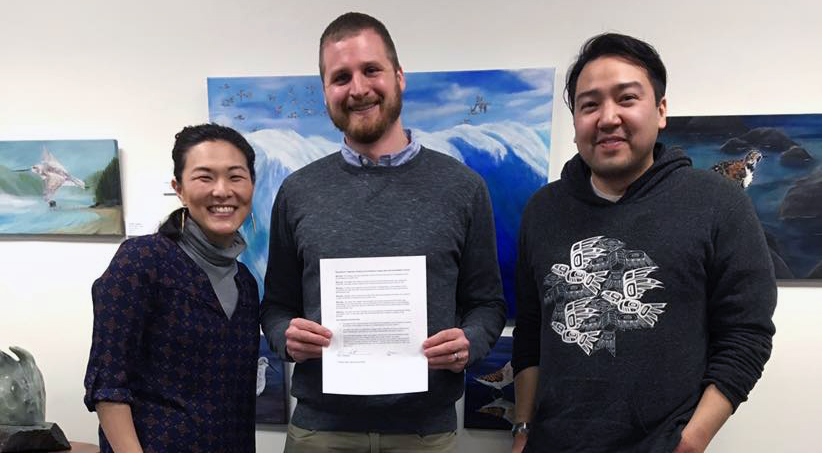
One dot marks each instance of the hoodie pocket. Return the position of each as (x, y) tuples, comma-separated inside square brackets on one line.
[(588, 413)]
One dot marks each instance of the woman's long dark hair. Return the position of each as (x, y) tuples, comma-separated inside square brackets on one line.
[(192, 136)]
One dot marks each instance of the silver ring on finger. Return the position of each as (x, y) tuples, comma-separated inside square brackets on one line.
[(456, 356)]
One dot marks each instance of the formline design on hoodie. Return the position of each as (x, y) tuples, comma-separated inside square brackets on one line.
[(600, 293)]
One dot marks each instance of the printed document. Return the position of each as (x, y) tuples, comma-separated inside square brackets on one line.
[(376, 309)]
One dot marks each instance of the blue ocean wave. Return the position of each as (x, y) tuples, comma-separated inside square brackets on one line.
[(512, 157)]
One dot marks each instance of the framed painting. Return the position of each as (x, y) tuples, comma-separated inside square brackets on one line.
[(60, 187), (775, 159)]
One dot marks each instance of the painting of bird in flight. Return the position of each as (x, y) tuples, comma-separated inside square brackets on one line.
[(60, 187)]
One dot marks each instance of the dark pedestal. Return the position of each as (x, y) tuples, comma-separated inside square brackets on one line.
[(45, 437)]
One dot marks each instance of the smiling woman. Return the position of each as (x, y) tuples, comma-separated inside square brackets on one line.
[(216, 186), (214, 179), (176, 330)]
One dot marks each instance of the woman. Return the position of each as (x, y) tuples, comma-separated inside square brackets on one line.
[(176, 336)]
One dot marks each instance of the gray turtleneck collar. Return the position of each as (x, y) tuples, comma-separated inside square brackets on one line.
[(220, 264)]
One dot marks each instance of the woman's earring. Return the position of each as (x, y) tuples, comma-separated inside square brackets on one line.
[(183, 218), (253, 223)]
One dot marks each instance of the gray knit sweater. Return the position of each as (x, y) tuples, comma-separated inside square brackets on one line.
[(432, 206)]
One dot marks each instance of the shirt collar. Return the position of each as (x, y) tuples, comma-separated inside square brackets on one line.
[(601, 194), (389, 160)]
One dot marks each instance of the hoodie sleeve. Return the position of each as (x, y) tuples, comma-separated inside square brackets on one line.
[(741, 302), (526, 350)]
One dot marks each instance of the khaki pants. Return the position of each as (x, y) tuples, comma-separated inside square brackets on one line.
[(308, 441)]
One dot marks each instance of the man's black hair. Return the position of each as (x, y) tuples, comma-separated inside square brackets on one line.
[(188, 138), (634, 50)]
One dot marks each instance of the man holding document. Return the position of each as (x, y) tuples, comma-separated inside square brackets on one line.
[(382, 282)]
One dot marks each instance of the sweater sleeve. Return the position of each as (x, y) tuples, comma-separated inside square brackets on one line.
[(526, 348), (121, 299), (282, 298), (741, 302), (479, 287)]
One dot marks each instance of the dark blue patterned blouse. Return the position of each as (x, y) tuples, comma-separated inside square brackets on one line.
[(163, 344)]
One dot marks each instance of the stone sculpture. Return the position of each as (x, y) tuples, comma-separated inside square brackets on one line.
[(23, 407)]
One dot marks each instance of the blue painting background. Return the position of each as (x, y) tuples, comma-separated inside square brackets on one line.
[(498, 122), (796, 240)]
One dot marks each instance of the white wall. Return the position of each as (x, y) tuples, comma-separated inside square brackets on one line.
[(135, 71)]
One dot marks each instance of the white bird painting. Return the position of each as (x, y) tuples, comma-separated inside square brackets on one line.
[(262, 365), (54, 176)]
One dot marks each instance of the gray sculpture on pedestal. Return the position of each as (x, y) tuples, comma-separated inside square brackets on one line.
[(23, 407)]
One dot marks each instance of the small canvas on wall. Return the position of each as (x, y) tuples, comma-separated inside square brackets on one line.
[(489, 389), (59, 187), (272, 402), (775, 159)]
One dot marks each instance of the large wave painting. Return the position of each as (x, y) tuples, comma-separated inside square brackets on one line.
[(498, 122)]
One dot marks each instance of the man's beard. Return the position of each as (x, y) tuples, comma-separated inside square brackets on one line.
[(373, 131)]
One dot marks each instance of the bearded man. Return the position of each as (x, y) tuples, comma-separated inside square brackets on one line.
[(382, 195)]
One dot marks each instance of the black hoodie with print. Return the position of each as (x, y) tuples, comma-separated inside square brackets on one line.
[(630, 309)]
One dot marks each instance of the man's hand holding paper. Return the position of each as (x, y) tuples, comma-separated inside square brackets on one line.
[(306, 339), (447, 350)]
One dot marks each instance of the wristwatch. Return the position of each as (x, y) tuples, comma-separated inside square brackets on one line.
[(521, 428)]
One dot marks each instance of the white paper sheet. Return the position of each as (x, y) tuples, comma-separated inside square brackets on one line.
[(376, 309)]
